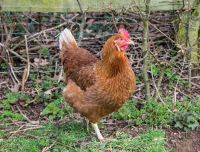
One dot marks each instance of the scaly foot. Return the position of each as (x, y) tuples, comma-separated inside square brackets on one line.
[(97, 131)]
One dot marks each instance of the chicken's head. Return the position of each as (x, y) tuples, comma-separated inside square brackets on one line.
[(123, 40), (116, 46)]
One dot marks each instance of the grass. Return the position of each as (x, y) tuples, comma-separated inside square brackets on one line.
[(156, 114), (63, 137), (72, 137), (152, 141)]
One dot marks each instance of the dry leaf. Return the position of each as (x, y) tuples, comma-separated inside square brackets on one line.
[(40, 62)]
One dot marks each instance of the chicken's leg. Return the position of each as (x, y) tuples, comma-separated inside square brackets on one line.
[(97, 131)]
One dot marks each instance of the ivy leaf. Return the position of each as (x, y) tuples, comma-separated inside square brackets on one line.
[(52, 108)]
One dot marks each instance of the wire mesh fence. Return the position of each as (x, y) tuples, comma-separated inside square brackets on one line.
[(168, 66)]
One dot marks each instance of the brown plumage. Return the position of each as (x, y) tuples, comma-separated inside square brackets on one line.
[(96, 88)]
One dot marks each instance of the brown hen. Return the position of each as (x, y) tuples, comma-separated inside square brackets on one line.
[(96, 88)]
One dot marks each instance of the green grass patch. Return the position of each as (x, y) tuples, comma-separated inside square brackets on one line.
[(72, 137), (156, 114), (64, 138), (152, 141)]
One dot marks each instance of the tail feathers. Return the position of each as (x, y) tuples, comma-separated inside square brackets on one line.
[(67, 38)]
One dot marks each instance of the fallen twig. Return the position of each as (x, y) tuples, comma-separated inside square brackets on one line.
[(30, 121), (48, 148), (175, 93), (156, 88), (39, 47), (19, 56), (26, 129), (27, 68), (82, 22)]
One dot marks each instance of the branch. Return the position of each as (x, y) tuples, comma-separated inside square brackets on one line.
[(175, 88), (158, 94), (27, 68), (82, 22), (146, 50)]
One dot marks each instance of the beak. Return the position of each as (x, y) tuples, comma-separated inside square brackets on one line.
[(131, 42)]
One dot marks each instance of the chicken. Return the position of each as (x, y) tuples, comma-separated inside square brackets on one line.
[(96, 88)]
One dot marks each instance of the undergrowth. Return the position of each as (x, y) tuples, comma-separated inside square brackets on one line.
[(156, 114), (47, 91)]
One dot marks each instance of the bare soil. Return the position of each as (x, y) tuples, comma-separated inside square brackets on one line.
[(183, 142), (177, 141)]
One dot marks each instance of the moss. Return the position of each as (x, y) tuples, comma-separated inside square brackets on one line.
[(188, 33), (193, 35), (181, 36)]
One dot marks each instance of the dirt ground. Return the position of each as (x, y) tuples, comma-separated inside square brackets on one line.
[(182, 141), (177, 141)]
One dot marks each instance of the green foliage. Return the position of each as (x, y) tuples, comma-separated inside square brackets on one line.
[(187, 121), (3, 66), (155, 70), (72, 137), (127, 112), (12, 115), (53, 100), (19, 144), (33, 76), (169, 73), (55, 110), (152, 141), (173, 53), (44, 52), (187, 106), (157, 114), (12, 98), (63, 137), (173, 77), (153, 113), (47, 82)]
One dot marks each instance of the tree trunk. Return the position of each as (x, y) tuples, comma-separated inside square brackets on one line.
[(193, 36), (188, 35)]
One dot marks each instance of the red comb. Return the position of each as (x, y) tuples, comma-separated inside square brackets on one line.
[(124, 32)]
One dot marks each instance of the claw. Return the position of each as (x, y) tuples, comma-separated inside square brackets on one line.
[(109, 140), (99, 135)]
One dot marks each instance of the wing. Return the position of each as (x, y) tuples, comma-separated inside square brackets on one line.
[(79, 65)]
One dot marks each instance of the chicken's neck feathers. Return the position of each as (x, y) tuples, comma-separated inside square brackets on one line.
[(112, 67)]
